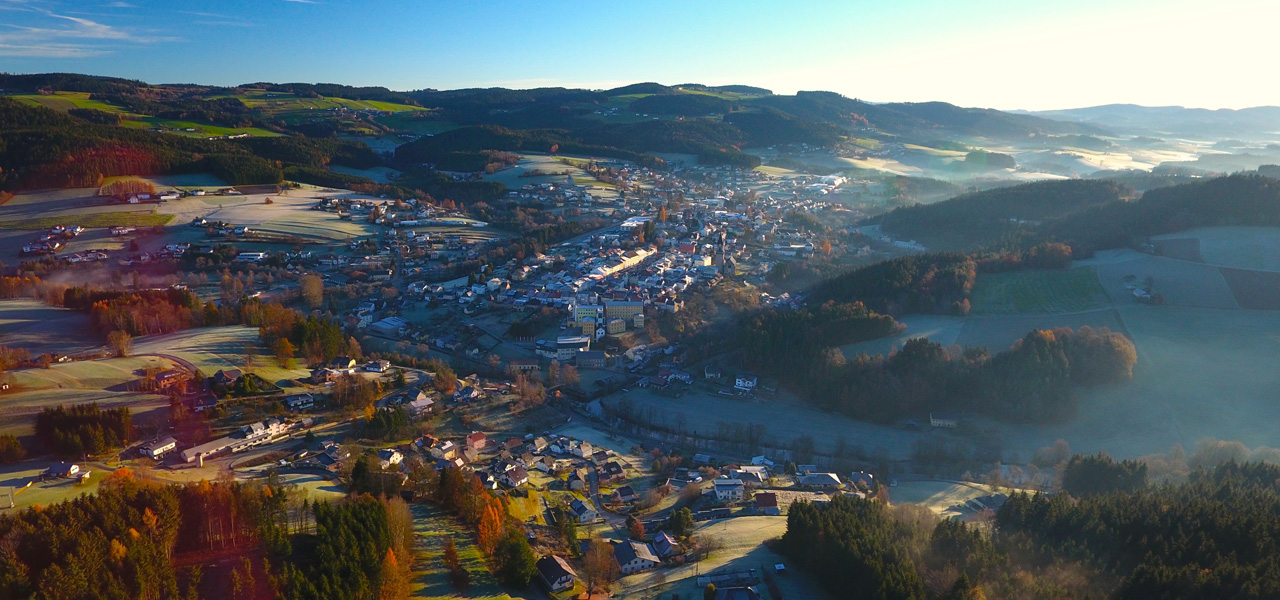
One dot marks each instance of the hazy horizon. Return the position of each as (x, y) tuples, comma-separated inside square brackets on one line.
[(993, 54)]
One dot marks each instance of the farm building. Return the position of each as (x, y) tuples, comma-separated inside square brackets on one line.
[(634, 557), (729, 490), (158, 448)]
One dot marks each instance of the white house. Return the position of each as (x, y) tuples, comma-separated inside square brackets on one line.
[(158, 448), (556, 573), (634, 557), (746, 382), (389, 457), (729, 490)]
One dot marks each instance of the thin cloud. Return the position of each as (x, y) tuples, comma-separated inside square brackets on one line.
[(121, 5), (302, 1), (64, 36)]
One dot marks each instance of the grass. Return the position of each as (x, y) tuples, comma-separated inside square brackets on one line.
[(434, 527), (99, 219), (938, 496), (1038, 292), (65, 101)]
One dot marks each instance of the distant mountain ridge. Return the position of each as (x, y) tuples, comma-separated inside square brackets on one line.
[(1173, 120)]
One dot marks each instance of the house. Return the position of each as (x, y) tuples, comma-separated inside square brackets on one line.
[(825, 481), (578, 480), (62, 469), (753, 476), (225, 377), (943, 419), (157, 448), (389, 457), (476, 440), (582, 512), (634, 557), (171, 378), (299, 402), (767, 503), (515, 477), (470, 454), (862, 479), (524, 365), (746, 382), (625, 494), (342, 363), (583, 450), (538, 445), (555, 573), (803, 469), (729, 490), (664, 545), (323, 375), (613, 471), (332, 455), (445, 450), (711, 372), (599, 456), (546, 464), (418, 405), (377, 366), (512, 444)]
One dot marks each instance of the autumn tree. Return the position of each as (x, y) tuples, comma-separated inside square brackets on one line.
[(120, 342), (460, 576), (393, 583), (490, 530), (599, 569), (284, 353), (312, 288)]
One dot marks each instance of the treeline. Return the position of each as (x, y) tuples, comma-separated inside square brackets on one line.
[(1087, 215), (1032, 381), (859, 549), (1215, 536), (787, 341), (923, 283), (999, 219), (83, 429), (144, 312), (361, 549), (469, 148)]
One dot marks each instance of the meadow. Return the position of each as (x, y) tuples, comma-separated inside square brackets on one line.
[(434, 528), (1038, 292), (38, 327)]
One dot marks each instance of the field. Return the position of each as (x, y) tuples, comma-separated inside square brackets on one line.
[(40, 328), (999, 332), (16, 476), (214, 348), (1038, 292), (1256, 248), (940, 497), (100, 219), (65, 101), (200, 130), (431, 580), (1201, 373), (1182, 283), (742, 547)]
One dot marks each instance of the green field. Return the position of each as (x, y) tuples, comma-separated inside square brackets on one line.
[(1038, 292), (201, 129), (97, 219), (65, 101)]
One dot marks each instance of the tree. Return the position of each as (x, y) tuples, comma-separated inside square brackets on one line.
[(393, 585), (516, 561), (445, 381), (680, 523), (312, 288), (120, 342), (461, 577), (490, 528), (553, 372), (284, 350), (11, 450), (599, 569), (635, 528), (709, 592), (569, 376)]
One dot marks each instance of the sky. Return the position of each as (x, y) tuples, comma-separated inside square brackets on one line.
[(1006, 54)]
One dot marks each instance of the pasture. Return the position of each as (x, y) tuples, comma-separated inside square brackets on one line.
[(118, 218), (1038, 292), (1182, 283), (1256, 248), (1200, 373), (940, 497), (40, 328), (741, 546), (16, 476), (434, 528), (65, 101), (214, 348)]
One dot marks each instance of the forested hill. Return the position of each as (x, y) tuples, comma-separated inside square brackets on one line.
[(1088, 215), (1000, 216), (1212, 537)]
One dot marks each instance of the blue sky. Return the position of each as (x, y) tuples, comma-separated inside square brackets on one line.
[(992, 53)]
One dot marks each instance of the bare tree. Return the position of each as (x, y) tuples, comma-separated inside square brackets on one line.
[(599, 569)]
